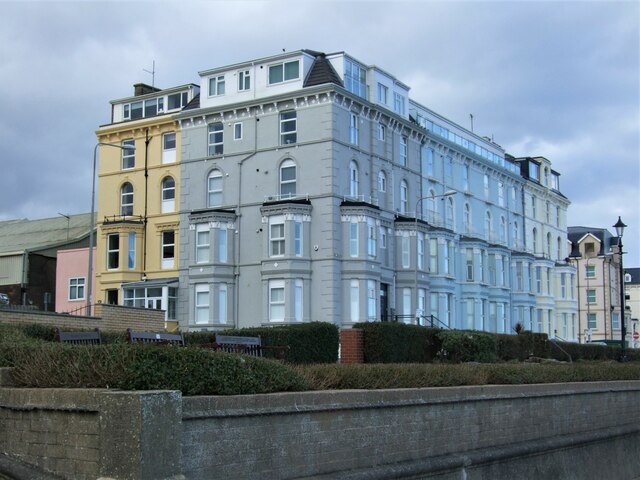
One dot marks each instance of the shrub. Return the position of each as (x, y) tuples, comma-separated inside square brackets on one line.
[(391, 342), (381, 376), (467, 346), (314, 342), (194, 371)]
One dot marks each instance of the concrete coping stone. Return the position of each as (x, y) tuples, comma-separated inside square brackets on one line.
[(334, 400)]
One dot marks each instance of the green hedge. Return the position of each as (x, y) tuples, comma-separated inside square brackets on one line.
[(392, 342), (379, 376), (194, 371), (314, 342), (467, 346)]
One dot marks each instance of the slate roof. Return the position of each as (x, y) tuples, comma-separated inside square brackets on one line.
[(193, 104), (635, 275), (321, 71), (23, 234), (607, 240)]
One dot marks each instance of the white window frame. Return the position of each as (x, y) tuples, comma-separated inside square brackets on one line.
[(353, 179), (286, 72), (382, 182), (131, 250), (223, 250), (354, 300), (403, 150), (202, 304), (126, 199), (298, 300), (216, 86), (277, 301), (353, 239), (238, 130), (167, 249), (288, 135), (128, 155), (297, 238), (76, 288), (382, 132), (372, 244), (277, 243), (168, 195), (244, 80), (215, 180), (405, 252), (215, 139), (372, 301), (222, 303), (353, 128), (203, 243), (404, 197), (113, 254), (383, 94), (169, 147), (288, 186)]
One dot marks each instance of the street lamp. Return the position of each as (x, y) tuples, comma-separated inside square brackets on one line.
[(93, 220), (448, 193), (619, 226)]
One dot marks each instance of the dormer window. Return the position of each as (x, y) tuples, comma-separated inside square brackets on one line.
[(148, 108), (177, 100), (355, 78), (283, 72), (244, 80), (216, 86)]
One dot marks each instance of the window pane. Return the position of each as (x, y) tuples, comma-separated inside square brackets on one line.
[(291, 70), (275, 74)]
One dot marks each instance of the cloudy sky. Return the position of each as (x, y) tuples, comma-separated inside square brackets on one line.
[(557, 79)]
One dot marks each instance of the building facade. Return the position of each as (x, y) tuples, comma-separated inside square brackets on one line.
[(311, 187), (632, 295), (594, 252), (138, 219)]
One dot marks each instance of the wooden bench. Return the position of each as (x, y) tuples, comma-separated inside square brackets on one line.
[(157, 338), (247, 345), (78, 338)]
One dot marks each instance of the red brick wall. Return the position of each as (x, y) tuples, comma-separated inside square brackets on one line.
[(351, 346)]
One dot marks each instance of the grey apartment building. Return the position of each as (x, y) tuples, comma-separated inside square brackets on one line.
[(313, 188)]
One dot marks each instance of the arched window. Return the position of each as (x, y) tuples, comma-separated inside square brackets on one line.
[(353, 179), (467, 218), (404, 197), (487, 225), (126, 199), (535, 240), (168, 194), (548, 245), (288, 177), (449, 213), (515, 234), (559, 249), (503, 230), (214, 189)]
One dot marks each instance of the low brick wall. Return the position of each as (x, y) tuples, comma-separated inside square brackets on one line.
[(107, 317), (563, 431)]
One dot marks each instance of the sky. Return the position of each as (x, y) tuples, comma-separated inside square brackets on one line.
[(555, 79)]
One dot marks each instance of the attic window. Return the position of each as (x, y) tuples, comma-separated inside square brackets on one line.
[(589, 247), (283, 72)]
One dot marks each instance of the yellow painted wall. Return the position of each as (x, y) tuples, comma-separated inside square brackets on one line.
[(111, 177)]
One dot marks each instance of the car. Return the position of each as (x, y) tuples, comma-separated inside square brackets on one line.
[(4, 299)]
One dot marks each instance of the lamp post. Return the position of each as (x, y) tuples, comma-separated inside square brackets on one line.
[(448, 193), (619, 226), (93, 220)]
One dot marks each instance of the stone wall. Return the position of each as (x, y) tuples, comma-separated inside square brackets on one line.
[(107, 317), (561, 431)]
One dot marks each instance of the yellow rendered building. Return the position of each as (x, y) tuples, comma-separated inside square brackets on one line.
[(138, 200)]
